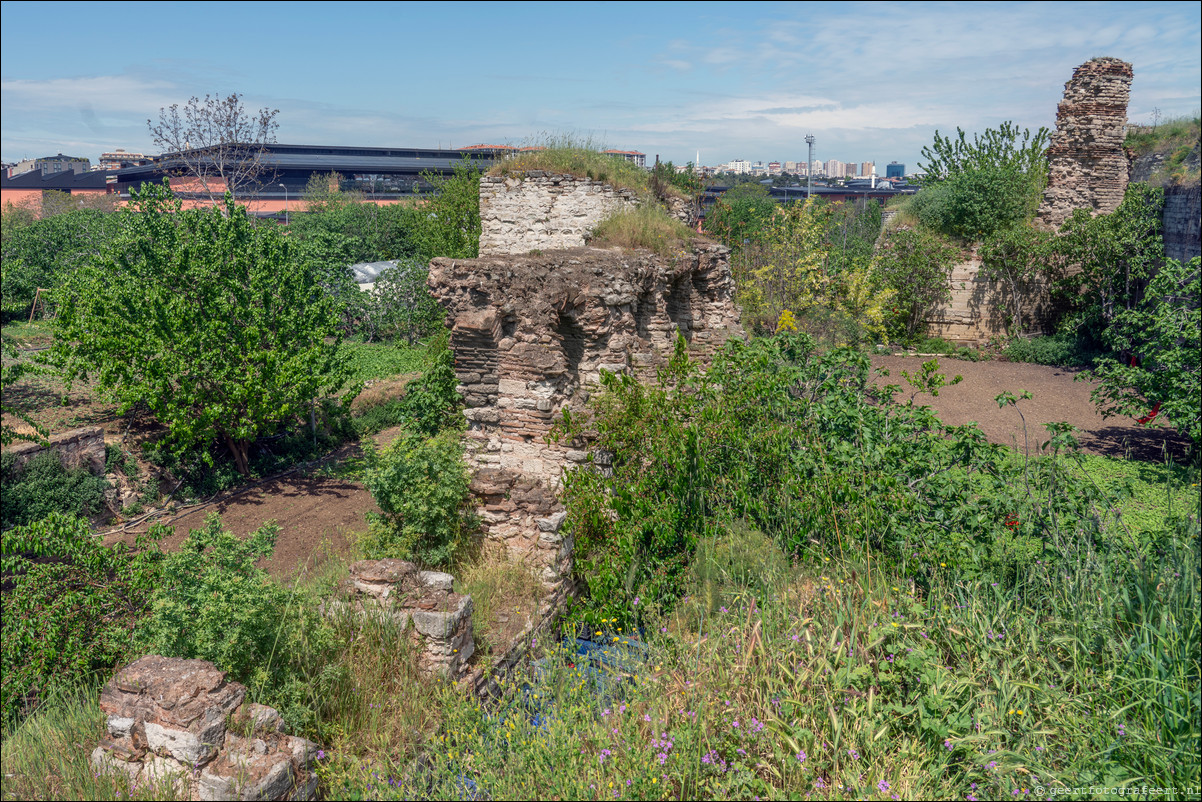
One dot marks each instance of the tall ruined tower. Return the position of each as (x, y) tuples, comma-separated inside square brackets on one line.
[(1087, 166)]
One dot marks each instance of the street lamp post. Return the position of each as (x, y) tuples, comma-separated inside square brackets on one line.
[(285, 203), (810, 165)]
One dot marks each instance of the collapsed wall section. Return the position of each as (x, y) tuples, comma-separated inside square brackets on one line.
[(1087, 165), (531, 335)]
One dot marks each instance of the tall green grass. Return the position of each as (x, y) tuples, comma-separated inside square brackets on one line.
[(581, 157), (647, 226)]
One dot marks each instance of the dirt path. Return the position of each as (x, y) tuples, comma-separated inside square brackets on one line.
[(1056, 397), (318, 516)]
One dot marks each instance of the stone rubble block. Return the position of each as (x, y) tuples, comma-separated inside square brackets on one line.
[(421, 602), (169, 721)]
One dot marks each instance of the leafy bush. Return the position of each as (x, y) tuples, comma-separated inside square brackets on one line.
[(975, 204), (976, 189), (1116, 254), (916, 265), (211, 603), (740, 216), (400, 306), (43, 486), (1158, 347), (421, 485), (802, 448), (1064, 349), (70, 606)]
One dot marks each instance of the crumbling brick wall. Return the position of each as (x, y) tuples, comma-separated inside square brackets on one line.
[(531, 335), (1087, 166)]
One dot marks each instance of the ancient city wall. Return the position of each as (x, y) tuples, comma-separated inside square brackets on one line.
[(977, 310), (531, 335), (535, 210), (1087, 165), (1182, 218)]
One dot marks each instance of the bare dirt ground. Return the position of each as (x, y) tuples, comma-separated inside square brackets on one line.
[(318, 515), (1056, 396)]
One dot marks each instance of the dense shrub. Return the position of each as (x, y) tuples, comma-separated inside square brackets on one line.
[(1157, 348), (43, 486), (975, 189), (802, 447), (916, 265), (71, 606), (1064, 349), (211, 602), (421, 485)]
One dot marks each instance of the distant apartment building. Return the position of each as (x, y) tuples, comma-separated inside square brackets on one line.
[(790, 167), (740, 166), (867, 169), (629, 155), (895, 170), (120, 159), (51, 165), (773, 168), (836, 168)]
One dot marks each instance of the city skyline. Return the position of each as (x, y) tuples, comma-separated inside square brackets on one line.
[(725, 81)]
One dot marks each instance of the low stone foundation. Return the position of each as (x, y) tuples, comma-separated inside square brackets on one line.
[(181, 722), (441, 619)]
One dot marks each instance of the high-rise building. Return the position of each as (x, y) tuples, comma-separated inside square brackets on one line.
[(867, 169), (895, 170), (834, 168)]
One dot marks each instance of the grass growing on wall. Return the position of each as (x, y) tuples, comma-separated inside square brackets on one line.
[(645, 226), (581, 158)]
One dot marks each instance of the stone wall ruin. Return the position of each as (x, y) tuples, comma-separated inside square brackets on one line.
[(531, 335), (1087, 165), (180, 722), (536, 210)]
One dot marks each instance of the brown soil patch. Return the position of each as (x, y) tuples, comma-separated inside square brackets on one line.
[(318, 515), (1056, 396)]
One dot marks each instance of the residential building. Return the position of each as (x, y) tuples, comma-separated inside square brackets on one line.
[(119, 159), (867, 169), (51, 165), (629, 155)]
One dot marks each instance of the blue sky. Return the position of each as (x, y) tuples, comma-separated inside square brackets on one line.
[(870, 81)]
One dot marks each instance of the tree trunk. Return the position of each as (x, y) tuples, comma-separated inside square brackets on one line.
[(239, 448)]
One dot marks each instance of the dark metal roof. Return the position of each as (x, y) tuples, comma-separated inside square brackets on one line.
[(37, 179)]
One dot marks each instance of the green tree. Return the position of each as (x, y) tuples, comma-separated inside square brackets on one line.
[(1115, 255), (741, 215), (1026, 261), (217, 325), (975, 189), (43, 252), (448, 222), (1157, 348), (917, 265)]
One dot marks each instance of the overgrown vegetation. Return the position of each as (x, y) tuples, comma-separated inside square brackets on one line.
[(43, 485), (646, 226), (1176, 141), (583, 158), (218, 326)]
